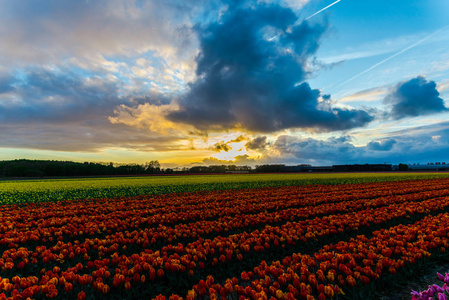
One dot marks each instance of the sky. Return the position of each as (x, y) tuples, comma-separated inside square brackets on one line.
[(249, 82)]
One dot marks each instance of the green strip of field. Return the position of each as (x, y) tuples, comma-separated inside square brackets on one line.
[(26, 191)]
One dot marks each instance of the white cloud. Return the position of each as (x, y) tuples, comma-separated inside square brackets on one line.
[(374, 94), (45, 33), (150, 117)]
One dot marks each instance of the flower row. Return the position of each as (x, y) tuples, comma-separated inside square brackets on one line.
[(94, 221), (123, 270), (130, 213), (336, 268), (143, 238)]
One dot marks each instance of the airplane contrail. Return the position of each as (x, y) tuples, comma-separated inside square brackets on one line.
[(391, 57), (322, 9), (299, 22)]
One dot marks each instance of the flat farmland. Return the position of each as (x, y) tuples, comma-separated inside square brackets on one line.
[(287, 236), (41, 190)]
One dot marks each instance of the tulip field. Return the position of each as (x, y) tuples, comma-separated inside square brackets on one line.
[(42, 190), (359, 239)]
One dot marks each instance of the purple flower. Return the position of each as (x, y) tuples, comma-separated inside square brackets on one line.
[(434, 290), (426, 295), (431, 291), (444, 278), (415, 295), (437, 288), (442, 296)]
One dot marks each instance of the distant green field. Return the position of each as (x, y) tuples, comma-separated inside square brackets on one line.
[(26, 191)]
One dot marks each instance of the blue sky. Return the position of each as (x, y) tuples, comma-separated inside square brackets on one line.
[(225, 81)]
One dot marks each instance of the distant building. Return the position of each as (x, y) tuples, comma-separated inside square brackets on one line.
[(363, 168), (429, 167), (306, 168), (318, 169), (290, 169), (338, 168)]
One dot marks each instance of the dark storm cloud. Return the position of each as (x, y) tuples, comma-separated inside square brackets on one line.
[(415, 97), (383, 145), (251, 70), (257, 143)]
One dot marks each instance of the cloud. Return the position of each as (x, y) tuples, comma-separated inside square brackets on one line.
[(308, 150), (147, 116), (46, 32), (84, 137), (239, 139), (221, 147), (257, 143), (247, 79), (372, 94), (238, 160), (443, 86), (415, 97), (226, 146), (54, 95), (6, 81), (382, 145), (89, 75), (414, 145), (57, 109)]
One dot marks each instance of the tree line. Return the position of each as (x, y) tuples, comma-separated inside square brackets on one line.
[(52, 168)]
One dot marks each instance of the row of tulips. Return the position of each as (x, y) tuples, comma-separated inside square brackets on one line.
[(337, 268), (143, 238), (112, 243), (115, 243), (110, 215), (122, 259), (51, 228), (121, 271)]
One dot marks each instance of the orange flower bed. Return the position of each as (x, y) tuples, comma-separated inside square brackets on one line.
[(336, 266), (144, 246)]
